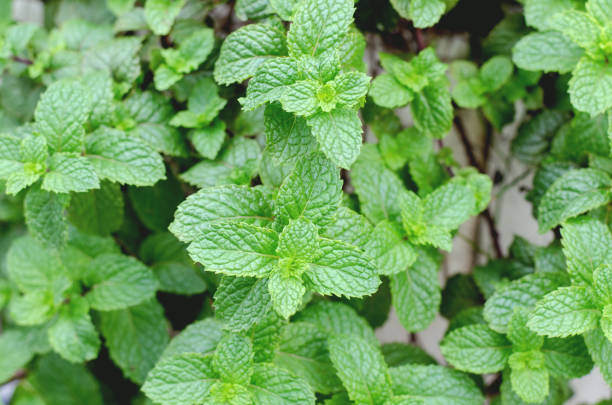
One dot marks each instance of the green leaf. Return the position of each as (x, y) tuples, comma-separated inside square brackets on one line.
[(233, 359), (251, 9), (60, 382), (298, 240), (600, 9), (288, 137), (44, 216), (524, 292), (274, 385), (435, 385), (549, 51), (98, 211), (587, 244), (539, 13), (391, 253), (303, 351), (271, 80), (14, 353), (123, 159), (495, 72), (362, 369), (430, 221), (398, 354), (425, 13), (339, 135), (241, 302), (33, 308), (118, 57), (199, 337), (154, 206), (221, 204), (600, 349), (181, 379), (286, 292), (579, 26), (203, 105), (416, 292), (73, 334), (172, 266), (590, 86), (529, 376), (522, 338), (160, 14), (151, 113), (208, 140), (337, 318), (300, 98), (192, 51), (574, 193), (533, 140), (567, 358), (70, 173), (349, 227), (565, 312), (118, 282), (135, 337), (312, 191), (379, 189), (602, 286), (61, 113), (318, 26), (165, 77), (342, 270), (387, 92), (236, 249), (236, 164), (351, 88), (32, 267), (432, 110), (476, 349)]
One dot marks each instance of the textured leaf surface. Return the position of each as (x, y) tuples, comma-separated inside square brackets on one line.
[(416, 292), (160, 14), (135, 337), (123, 159), (218, 205), (61, 113), (342, 270), (236, 249), (361, 368), (70, 173), (303, 351), (565, 312), (548, 51), (73, 334), (118, 282), (312, 191), (587, 244), (181, 379), (476, 349), (318, 26), (524, 292), (590, 88), (577, 191), (435, 385), (240, 301), (274, 385), (339, 135)]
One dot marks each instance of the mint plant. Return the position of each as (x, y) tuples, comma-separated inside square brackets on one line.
[(220, 202)]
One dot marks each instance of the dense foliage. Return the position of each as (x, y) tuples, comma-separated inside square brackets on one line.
[(216, 202)]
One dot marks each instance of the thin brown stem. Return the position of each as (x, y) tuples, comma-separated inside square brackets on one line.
[(486, 214), (25, 61)]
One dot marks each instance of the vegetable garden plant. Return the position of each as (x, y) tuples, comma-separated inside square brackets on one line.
[(209, 202)]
